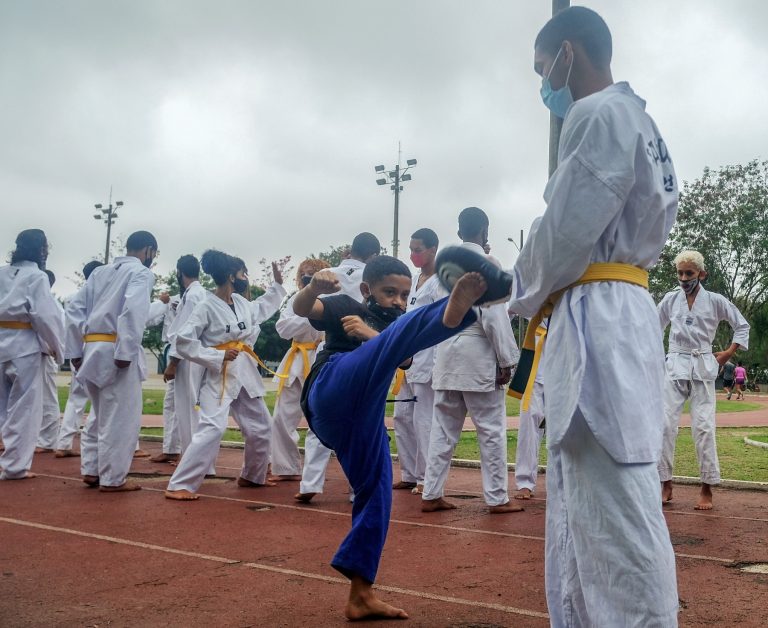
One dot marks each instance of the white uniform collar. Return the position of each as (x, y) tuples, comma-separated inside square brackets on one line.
[(356, 263)]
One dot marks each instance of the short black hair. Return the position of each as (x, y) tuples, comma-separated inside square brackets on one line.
[(139, 240), (51, 277), (427, 236), (29, 247), (578, 25), (219, 265), (240, 265), (188, 266), (381, 266), (90, 267), (472, 221), (365, 245)]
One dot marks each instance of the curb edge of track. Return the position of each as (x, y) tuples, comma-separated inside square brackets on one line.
[(475, 464), (755, 443)]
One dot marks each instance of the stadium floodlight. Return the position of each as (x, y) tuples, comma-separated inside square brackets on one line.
[(98, 206), (108, 215), (394, 177), (381, 181), (411, 162), (379, 168), (405, 177)]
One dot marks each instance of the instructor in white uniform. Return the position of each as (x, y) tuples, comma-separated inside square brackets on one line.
[(694, 314), (612, 200)]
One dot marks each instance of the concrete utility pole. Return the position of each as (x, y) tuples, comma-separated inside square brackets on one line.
[(108, 215), (555, 123), (395, 177)]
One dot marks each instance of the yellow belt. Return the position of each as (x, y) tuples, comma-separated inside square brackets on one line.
[(398, 383), (601, 271), (296, 347), (100, 338), (240, 346), (15, 325)]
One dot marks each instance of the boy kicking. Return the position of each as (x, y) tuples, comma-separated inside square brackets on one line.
[(343, 397)]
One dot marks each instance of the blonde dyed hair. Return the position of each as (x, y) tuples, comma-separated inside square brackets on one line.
[(690, 257)]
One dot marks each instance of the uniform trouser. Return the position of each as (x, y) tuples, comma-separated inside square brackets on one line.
[(186, 391), (49, 428), (73, 414), (109, 439), (251, 414), (405, 435), (171, 440), (528, 441), (346, 405), (702, 396), (316, 457), (608, 557), (21, 409), (488, 413), (423, 417), (286, 459)]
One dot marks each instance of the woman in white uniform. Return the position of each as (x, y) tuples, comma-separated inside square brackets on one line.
[(217, 335)]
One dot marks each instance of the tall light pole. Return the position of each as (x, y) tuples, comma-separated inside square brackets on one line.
[(395, 178), (108, 215)]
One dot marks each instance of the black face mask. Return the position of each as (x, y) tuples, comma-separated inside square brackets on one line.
[(689, 286), (148, 262), (240, 285), (306, 280), (180, 280), (386, 314)]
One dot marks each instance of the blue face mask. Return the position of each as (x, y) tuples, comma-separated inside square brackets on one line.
[(557, 101)]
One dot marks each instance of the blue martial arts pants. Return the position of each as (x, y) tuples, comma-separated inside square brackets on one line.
[(347, 402)]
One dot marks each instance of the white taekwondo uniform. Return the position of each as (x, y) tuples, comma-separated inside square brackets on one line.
[(529, 435), (171, 439), (316, 455), (413, 420), (189, 375), (49, 428), (692, 371), (464, 379), (613, 198), (30, 328), (115, 301), (212, 323), (286, 459)]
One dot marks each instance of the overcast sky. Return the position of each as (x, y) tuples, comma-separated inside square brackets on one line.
[(255, 126)]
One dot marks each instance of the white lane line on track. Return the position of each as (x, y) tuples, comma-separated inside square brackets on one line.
[(270, 568), (418, 524)]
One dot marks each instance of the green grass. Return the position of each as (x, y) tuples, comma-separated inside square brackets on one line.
[(153, 403), (738, 461)]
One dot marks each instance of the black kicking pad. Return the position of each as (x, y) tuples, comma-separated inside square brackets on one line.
[(454, 261)]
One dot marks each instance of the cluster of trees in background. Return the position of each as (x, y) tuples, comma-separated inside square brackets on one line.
[(723, 214)]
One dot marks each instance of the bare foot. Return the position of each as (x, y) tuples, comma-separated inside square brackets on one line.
[(417, 490), (666, 491), (140, 453), (363, 604), (91, 480), (165, 458), (242, 482), (123, 488), (433, 505), (304, 498), (42, 450), (504, 508), (524, 493), (66, 453), (401, 486), (284, 478), (468, 289), (182, 495), (27, 476), (705, 498)]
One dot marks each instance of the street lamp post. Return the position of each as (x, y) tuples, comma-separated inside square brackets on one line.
[(395, 178), (108, 215)]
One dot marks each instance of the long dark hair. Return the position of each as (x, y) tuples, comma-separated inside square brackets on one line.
[(29, 247)]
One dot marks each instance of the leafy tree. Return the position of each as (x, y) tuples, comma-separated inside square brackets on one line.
[(724, 215), (334, 255)]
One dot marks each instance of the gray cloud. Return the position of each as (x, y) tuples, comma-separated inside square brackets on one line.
[(255, 126)]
